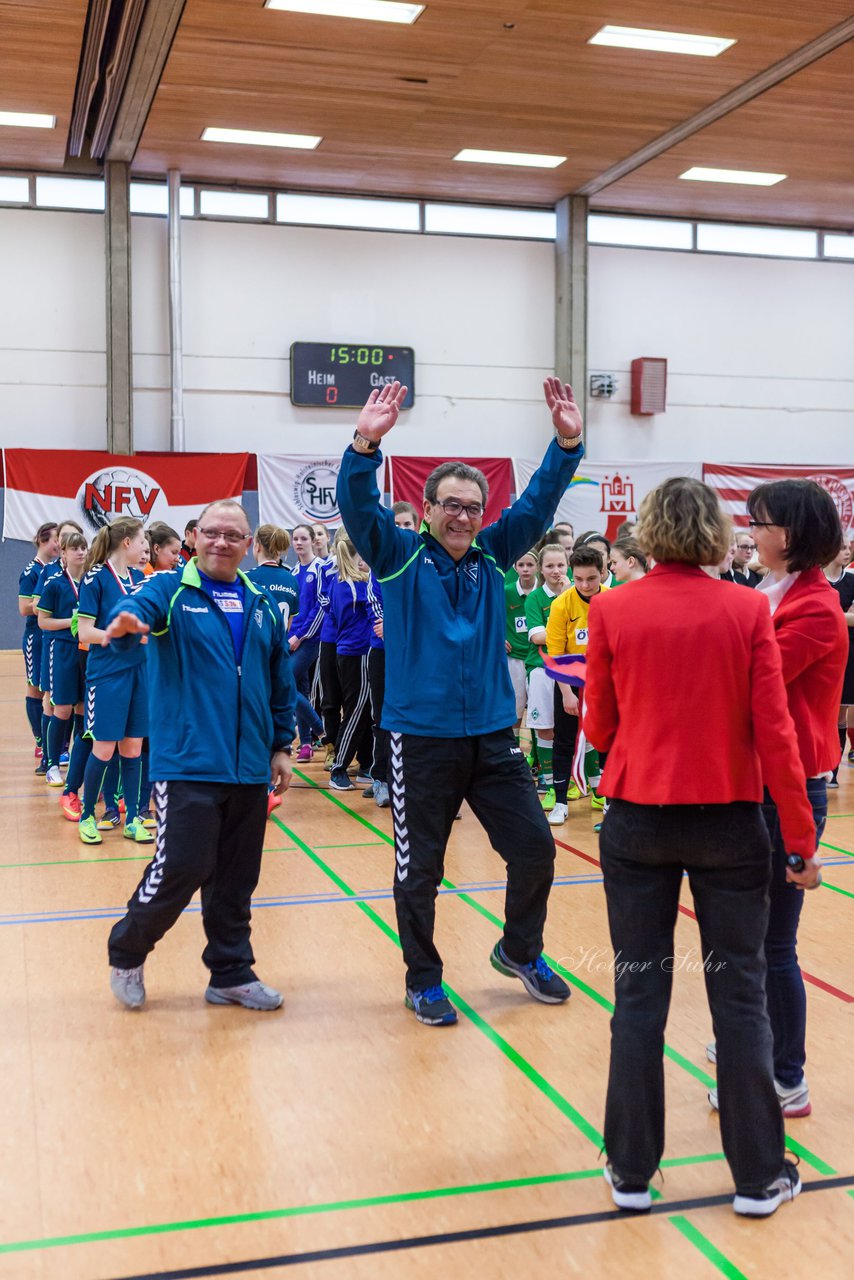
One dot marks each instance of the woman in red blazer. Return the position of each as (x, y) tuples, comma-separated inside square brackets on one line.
[(661, 650), (797, 530)]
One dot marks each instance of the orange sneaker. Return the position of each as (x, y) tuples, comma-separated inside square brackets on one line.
[(70, 806), (273, 802)]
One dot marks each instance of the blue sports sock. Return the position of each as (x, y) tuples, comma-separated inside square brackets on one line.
[(79, 725), (111, 784), (34, 715), (45, 726), (145, 783), (131, 778), (80, 753), (93, 779), (55, 740)]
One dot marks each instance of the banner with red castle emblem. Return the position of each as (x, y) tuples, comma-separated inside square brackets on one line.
[(601, 496), (96, 488)]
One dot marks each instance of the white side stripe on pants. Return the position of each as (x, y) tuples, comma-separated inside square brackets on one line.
[(153, 880), (398, 807), (352, 724)]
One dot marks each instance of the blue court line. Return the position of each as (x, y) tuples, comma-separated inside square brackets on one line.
[(372, 895)]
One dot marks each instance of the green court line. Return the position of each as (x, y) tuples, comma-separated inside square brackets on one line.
[(705, 1246), (331, 1206), (821, 1166), (836, 848), (834, 888), (536, 1078), (73, 862)]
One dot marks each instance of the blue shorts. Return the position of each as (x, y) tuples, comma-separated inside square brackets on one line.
[(32, 647), (66, 678), (44, 666), (117, 706)]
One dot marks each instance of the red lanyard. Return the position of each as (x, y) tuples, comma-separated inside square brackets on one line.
[(73, 584), (122, 586)]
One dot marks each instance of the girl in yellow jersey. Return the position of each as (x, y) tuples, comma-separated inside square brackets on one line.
[(566, 632)]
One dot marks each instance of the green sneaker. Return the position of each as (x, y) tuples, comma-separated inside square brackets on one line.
[(88, 831), (572, 792), (136, 831), (547, 800), (597, 801)]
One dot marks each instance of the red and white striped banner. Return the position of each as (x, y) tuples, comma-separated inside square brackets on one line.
[(95, 488), (734, 483)]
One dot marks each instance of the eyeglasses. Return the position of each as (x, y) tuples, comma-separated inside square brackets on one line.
[(765, 524), (228, 535), (452, 507), (744, 546)]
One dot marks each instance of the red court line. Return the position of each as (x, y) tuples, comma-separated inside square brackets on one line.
[(686, 911)]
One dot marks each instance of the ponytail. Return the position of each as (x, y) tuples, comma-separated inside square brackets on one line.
[(273, 540), (106, 540)]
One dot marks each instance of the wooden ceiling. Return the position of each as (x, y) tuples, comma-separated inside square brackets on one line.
[(395, 103)]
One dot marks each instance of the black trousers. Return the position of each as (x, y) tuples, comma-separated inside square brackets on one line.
[(376, 682), (330, 689), (209, 837), (726, 852), (566, 737), (430, 778), (354, 737)]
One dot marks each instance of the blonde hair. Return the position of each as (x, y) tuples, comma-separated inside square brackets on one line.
[(273, 540), (556, 547), (682, 520), (347, 560), (106, 540), (75, 539)]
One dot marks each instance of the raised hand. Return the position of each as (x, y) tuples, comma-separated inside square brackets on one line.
[(566, 415), (124, 624), (381, 411)]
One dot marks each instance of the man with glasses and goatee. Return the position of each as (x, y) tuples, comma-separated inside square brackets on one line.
[(222, 700), (449, 705)]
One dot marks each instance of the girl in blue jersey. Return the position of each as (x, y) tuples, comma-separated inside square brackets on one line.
[(349, 604), (376, 684), (304, 639), (56, 609), (165, 546), (46, 543), (327, 661), (116, 694), (49, 571)]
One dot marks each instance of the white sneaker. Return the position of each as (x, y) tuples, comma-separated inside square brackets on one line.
[(53, 777), (558, 815), (761, 1204), (252, 995), (128, 986), (712, 1051)]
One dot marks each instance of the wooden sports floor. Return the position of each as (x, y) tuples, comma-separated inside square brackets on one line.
[(338, 1137)]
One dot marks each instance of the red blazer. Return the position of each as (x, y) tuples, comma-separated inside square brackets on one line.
[(685, 692), (813, 640)]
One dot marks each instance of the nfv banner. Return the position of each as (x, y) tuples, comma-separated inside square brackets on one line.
[(602, 496), (295, 489), (735, 482), (95, 488)]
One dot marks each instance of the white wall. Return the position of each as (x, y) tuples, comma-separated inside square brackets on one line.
[(479, 315), (760, 352), (760, 356)]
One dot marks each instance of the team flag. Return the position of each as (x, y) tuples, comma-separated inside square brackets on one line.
[(567, 668), (96, 488)]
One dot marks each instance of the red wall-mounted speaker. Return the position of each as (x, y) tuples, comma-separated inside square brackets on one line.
[(649, 385)]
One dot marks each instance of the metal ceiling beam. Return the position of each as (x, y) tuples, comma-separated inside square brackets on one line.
[(767, 79), (150, 51), (88, 74)]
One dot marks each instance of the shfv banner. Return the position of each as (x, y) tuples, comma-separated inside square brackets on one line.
[(601, 496), (294, 488), (96, 488)]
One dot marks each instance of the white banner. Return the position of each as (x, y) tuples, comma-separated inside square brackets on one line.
[(601, 496), (296, 489)]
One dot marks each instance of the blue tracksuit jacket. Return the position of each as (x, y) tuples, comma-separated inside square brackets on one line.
[(212, 719), (446, 665)]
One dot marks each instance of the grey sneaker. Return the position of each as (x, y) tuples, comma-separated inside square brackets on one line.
[(254, 995), (128, 987), (381, 797)]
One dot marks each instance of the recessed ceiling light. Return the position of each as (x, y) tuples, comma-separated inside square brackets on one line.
[(661, 41), (369, 10), (473, 156), (745, 177), (259, 138), (27, 120)]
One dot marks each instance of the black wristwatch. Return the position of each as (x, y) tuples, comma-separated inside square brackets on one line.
[(285, 751), (369, 446)]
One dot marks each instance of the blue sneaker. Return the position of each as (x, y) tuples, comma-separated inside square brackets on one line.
[(538, 979), (63, 759), (111, 818), (432, 1007)]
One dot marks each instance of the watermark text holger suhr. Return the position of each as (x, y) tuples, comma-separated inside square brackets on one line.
[(603, 960)]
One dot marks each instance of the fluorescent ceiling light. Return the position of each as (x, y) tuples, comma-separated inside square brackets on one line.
[(473, 156), (27, 120), (661, 41), (370, 10), (746, 177), (259, 138)]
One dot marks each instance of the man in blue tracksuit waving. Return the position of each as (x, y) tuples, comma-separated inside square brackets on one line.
[(449, 705), (222, 702)]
